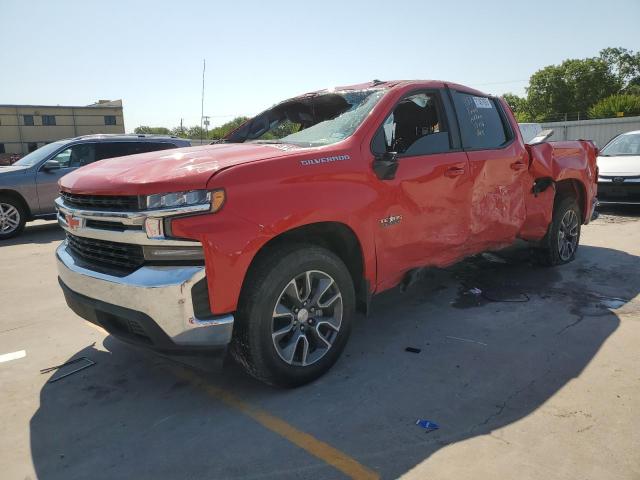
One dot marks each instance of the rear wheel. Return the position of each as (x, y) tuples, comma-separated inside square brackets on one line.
[(12, 217), (294, 316), (561, 242)]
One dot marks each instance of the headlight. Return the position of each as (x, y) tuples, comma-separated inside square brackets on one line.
[(190, 198), (178, 199)]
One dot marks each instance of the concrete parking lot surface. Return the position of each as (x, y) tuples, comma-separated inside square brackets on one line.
[(538, 377)]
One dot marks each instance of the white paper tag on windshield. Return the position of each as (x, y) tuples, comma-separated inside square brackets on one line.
[(482, 102)]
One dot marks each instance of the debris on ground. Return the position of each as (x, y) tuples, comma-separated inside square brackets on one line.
[(412, 350), (87, 363), (609, 302), (428, 425), (505, 297), (467, 340), (613, 303)]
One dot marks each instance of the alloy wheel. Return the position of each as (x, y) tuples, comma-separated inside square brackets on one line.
[(9, 218), (307, 318), (568, 235)]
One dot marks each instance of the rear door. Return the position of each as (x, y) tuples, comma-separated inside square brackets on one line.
[(70, 158), (498, 171), (425, 218)]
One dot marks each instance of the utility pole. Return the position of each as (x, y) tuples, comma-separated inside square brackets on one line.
[(181, 128), (204, 66), (206, 126)]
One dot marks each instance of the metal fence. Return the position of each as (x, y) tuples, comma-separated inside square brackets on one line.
[(600, 131)]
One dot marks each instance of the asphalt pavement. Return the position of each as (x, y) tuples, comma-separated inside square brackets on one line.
[(534, 377)]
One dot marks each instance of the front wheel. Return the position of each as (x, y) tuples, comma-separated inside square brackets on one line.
[(12, 217), (294, 316), (561, 242)]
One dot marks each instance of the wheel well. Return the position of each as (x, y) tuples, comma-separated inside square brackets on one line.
[(19, 198), (572, 188), (336, 237)]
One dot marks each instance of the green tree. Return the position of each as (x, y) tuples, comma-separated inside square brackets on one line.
[(519, 106), (152, 130), (625, 64), (226, 128), (194, 132), (179, 131), (570, 88), (612, 106)]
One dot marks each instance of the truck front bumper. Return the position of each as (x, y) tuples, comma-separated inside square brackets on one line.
[(155, 306)]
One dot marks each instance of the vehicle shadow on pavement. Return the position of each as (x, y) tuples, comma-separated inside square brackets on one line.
[(632, 211), (486, 360), (39, 233)]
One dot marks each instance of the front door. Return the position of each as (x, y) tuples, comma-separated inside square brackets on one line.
[(424, 218), (47, 181)]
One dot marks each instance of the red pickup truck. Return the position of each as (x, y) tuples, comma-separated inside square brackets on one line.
[(270, 240)]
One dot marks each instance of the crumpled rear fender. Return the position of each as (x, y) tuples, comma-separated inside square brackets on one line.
[(551, 163)]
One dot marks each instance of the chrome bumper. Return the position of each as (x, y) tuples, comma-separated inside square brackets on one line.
[(161, 293)]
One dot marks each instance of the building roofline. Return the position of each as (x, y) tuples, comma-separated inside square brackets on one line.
[(91, 106)]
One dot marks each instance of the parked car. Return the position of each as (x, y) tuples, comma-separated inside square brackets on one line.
[(271, 240), (619, 164), (29, 187)]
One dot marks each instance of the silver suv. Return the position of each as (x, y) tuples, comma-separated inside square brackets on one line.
[(29, 187)]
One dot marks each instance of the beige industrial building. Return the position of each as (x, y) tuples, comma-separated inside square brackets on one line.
[(24, 128)]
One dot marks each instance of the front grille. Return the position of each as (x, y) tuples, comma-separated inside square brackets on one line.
[(111, 255), (102, 202), (113, 226), (622, 192)]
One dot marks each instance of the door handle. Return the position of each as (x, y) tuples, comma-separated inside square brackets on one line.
[(454, 172), (518, 166)]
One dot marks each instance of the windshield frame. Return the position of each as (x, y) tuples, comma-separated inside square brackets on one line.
[(381, 91), (615, 140), (43, 153)]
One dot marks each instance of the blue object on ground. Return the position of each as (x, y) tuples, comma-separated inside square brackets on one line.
[(428, 425)]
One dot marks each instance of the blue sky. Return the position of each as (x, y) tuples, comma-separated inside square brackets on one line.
[(259, 52)]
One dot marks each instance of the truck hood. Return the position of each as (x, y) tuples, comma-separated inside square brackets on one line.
[(166, 171), (623, 165)]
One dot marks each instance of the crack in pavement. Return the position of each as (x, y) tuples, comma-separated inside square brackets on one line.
[(580, 318), (501, 407)]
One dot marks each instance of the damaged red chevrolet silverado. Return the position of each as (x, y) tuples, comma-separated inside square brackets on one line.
[(272, 239)]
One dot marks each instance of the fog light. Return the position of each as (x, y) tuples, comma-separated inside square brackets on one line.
[(153, 227)]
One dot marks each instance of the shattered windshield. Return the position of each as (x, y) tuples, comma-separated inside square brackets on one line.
[(310, 121)]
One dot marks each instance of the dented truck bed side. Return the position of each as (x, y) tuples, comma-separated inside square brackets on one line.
[(553, 166)]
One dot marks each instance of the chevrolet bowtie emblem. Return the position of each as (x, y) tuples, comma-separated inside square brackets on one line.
[(72, 222)]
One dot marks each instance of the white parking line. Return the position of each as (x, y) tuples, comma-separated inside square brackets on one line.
[(7, 357)]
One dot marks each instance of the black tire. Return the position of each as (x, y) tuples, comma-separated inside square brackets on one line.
[(8, 201), (252, 345), (551, 251)]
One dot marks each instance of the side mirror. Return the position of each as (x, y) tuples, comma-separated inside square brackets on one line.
[(51, 165), (385, 165)]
